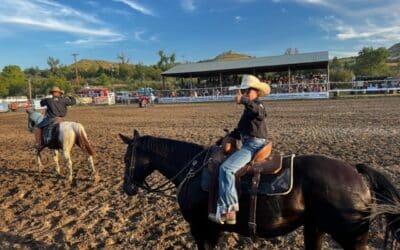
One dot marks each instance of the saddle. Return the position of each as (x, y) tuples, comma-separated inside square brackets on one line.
[(50, 135), (263, 163)]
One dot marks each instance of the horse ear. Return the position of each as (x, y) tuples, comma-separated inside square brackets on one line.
[(125, 139), (135, 134)]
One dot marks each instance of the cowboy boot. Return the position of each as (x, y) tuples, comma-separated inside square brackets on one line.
[(38, 138)]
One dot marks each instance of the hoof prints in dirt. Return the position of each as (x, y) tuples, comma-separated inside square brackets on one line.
[(44, 211)]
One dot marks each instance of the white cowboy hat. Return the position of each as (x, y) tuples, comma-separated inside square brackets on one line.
[(250, 81)]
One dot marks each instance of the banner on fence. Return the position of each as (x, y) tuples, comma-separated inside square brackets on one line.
[(224, 98)]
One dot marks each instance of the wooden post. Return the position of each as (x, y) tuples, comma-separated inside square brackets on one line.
[(220, 81), (327, 83), (289, 79)]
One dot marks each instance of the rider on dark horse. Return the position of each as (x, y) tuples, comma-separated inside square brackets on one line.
[(252, 131), (56, 108)]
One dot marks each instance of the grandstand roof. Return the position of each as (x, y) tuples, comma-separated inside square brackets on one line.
[(314, 60)]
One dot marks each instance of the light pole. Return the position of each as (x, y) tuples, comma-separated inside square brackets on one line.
[(76, 68)]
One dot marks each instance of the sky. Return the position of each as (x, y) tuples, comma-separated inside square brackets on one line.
[(33, 30)]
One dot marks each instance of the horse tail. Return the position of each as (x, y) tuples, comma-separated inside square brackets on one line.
[(384, 190), (83, 141), (387, 197)]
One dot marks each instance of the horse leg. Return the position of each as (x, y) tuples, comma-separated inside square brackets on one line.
[(354, 242), (55, 157), (39, 161), (312, 237), (206, 236), (67, 157), (94, 172)]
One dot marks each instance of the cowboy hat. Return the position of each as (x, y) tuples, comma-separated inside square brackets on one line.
[(250, 81), (56, 89)]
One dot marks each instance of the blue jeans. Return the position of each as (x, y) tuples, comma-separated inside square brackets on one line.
[(227, 195), (46, 122)]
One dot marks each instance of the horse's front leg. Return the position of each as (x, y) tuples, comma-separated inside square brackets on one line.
[(205, 234), (39, 161), (55, 157)]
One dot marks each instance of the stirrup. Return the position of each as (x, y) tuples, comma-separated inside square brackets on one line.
[(215, 218), (38, 146)]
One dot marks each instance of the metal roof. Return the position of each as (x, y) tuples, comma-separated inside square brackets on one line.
[(241, 66)]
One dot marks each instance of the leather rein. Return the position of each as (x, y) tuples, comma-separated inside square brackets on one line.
[(161, 189)]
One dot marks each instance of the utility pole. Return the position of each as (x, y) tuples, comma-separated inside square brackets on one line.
[(30, 88), (76, 68)]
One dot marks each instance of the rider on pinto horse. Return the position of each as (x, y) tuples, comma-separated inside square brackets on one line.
[(252, 131), (56, 108)]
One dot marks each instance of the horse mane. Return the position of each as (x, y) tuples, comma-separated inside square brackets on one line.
[(180, 151)]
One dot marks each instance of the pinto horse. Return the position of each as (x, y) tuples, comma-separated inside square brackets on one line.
[(328, 196), (70, 133)]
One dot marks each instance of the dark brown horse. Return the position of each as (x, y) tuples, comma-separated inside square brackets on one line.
[(329, 196)]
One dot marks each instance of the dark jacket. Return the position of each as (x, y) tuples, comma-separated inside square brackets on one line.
[(253, 120), (57, 105)]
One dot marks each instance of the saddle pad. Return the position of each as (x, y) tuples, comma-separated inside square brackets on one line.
[(270, 184), (273, 184)]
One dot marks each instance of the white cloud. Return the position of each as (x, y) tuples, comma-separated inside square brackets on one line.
[(341, 53), (139, 35), (188, 5), (94, 41), (239, 19), (46, 15), (136, 6), (368, 21)]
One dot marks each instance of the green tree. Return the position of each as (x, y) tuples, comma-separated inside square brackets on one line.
[(165, 62), (59, 81), (12, 81), (340, 72), (53, 64), (103, 79), (372, 62)]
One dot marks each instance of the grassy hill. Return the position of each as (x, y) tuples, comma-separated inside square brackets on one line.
[(228, 55), (231, 55), (394, 52), (86, 64)]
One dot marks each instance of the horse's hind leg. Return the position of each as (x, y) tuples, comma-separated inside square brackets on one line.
[(55, 157), (354, 241), (67, 157), (94, 172)]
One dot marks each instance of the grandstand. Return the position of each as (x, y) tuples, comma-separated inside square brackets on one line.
[(291, 76)]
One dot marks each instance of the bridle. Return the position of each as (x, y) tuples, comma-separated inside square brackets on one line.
[(161, 189)]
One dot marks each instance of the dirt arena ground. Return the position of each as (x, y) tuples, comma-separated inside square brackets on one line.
[(42, 211)]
